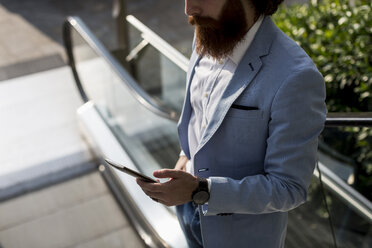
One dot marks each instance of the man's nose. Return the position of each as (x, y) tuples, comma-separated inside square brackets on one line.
[(192, 8)]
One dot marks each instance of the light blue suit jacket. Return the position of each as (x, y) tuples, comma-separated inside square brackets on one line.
[(260, 162)]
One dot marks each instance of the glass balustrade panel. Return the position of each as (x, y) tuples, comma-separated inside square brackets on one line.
[(156, 74), (150, 140), (347, 152)]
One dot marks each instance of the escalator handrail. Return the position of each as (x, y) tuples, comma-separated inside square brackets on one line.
[(349, 195), (73, 22), (351, 119)]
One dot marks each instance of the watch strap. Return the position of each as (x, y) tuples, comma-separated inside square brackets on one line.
[(201, 191)]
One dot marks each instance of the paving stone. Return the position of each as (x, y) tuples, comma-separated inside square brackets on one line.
[(3, 75), (47, 62), (123, 238), (52, 49), (67, 227), (47, 103), (44, 202)]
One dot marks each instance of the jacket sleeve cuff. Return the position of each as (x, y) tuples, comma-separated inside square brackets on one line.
[(211, 207)]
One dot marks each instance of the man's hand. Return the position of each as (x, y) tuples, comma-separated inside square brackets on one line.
[(177, 190), (181, 163)]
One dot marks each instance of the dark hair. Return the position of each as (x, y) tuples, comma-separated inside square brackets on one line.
[(266, 7)]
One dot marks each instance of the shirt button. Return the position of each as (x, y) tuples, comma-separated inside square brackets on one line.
[(206, 94)]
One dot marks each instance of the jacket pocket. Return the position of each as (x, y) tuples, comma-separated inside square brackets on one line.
[(242, 107), (245, 113)]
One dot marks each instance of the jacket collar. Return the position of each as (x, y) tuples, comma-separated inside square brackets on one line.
[(240, 49)]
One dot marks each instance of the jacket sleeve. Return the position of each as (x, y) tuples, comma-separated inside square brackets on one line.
[(297, 117)]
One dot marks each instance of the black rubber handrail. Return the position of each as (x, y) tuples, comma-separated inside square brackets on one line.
[(352, 119), (66, 33)]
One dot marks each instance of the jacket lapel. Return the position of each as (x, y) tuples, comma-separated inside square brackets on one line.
[(186, 110), (247, 69)]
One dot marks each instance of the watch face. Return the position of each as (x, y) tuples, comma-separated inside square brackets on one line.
[(201, 197)]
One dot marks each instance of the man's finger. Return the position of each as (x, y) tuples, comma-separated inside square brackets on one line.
[(154, 194), (163, 202), (168, 173), (152, 187)]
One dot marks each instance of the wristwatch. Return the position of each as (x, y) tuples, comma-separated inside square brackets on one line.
[(201, 194)]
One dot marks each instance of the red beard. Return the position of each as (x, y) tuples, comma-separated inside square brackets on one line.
[(217, 38)]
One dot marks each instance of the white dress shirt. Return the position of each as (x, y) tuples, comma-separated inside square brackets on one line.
[(210, 80)]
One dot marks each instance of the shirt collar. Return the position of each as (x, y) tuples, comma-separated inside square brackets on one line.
[(240, 49)]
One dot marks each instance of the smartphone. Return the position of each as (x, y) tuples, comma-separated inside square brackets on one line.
[(130, 172)]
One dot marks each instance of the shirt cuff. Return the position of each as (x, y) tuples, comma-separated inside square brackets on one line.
[(209, 185), (205, 206), (182, 153)]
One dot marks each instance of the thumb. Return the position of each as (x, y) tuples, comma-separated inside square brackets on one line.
[(168, 173)]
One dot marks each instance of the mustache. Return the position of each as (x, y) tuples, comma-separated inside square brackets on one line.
[(205, 22)]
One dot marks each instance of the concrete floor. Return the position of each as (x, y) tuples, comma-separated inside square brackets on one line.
[(78, 213), (40, 140)]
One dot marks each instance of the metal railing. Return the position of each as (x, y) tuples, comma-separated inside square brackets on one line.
[(149, 37), (349, 119)]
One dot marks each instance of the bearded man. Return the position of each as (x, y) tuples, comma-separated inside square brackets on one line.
[(253, 110)]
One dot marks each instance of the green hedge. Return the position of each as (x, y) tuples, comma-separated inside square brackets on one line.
[(337, 34), (338, 37)]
